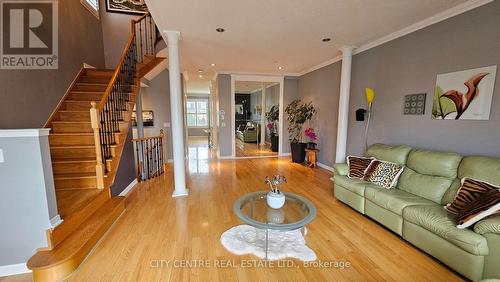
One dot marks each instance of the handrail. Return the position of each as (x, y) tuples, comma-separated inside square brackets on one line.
[(150, 156), (145, 138), (109, 111), (118, 67), (117, 72)]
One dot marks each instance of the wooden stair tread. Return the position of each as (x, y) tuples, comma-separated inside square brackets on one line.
[(74, 175), (74, 160), (71, 134), (75, 146), (69, 201), (78, 245), (76, 121)]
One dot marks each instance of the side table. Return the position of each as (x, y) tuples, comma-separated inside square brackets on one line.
[(311, 157)]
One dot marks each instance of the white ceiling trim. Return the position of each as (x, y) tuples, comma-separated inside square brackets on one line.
[(457, 10)]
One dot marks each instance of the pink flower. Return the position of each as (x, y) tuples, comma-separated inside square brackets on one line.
[(270, 126), (309, 132)]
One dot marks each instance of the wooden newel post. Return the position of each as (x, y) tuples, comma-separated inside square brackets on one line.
[(162, 139), (99, 168)]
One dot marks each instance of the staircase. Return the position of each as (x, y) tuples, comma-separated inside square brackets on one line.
[(88, 132)]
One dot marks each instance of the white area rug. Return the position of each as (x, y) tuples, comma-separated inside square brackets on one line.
[(245, 239)]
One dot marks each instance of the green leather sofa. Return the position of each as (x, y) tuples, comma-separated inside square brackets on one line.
[(414, 208), (250, 134)]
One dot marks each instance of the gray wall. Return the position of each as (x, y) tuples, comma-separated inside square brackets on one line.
[(115, 33), (127, 168), (224, 92), (410, 65), (26, 203), (29, 96), (156, 97), (321, 87)]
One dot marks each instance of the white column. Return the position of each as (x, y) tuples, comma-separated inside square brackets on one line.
[(176, 110), (263, 116), (345, 85)]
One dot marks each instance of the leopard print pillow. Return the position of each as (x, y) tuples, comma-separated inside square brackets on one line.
[(383, 173)]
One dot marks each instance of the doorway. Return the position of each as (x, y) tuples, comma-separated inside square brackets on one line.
[(257, 103)]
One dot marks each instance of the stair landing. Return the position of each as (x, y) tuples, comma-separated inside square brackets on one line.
[(59, 263)]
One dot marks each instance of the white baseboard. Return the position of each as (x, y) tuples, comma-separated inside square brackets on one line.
[(13, 269), (225, 157), (55, 221), (285, 154), (170, 161), (128, 188), (329, 168)]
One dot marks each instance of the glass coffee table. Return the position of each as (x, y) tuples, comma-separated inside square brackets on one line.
[(295, 214)]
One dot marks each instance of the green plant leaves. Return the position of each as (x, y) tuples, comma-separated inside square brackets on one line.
[(297, 114)]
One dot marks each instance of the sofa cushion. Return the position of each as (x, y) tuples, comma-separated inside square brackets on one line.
[(430, 187), (432, 163), (354, 185), (442, 223), (394, 200), (429, 174), (489, 225), (397, 154), (481, 168)]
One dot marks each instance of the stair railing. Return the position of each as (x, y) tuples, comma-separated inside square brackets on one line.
[(150, 156), (107, 114)]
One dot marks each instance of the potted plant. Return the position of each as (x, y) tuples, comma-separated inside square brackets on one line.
[(297, 114), (311, 135), (272, 118)]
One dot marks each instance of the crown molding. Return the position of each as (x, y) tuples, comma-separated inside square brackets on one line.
[(449, 13)]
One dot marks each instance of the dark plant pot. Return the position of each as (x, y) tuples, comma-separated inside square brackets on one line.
[(298, 152), (311, 146), (274, 142)]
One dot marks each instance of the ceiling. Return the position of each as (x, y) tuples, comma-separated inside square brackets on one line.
[(262, 35)]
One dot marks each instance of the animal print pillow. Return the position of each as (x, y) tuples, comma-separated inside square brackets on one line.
[(470, 190), (358, 166), (385, 174), (485, 205)]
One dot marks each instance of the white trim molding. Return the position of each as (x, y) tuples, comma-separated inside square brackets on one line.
[(329, 168), (259, 78), (455, 11), (13, 269), (55, 221), (128, 189), (34, 132)]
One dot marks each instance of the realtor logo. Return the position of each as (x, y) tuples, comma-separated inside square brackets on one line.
[(29, 35)]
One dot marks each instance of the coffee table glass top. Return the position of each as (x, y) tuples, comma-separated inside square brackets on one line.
[(296, 213)]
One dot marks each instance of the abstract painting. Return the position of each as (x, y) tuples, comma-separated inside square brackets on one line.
[(126, 6), (414, 104), (464, 94)]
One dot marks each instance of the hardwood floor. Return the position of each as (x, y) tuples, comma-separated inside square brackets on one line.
[(253, 150), (156, 232)]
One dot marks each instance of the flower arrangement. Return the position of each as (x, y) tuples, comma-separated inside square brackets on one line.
[(309, 133), (275, 182)]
